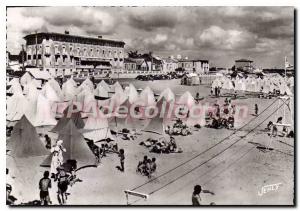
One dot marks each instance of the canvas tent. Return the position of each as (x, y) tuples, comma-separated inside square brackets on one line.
[(131, 93), (16, 107), (117, 88), (190, 79), (75, 145), (146, 97), (24, 141), (104, 85), (186, 99), (69, 89), (96, 128), (101, 92)]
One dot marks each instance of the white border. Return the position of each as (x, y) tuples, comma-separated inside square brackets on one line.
[(4, 3)]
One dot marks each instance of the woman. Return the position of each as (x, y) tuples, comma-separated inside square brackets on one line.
[(57, 157)]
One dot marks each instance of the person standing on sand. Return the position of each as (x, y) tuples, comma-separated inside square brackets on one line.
[(256, 110), (44, 185), (57, 157), (122, 159)]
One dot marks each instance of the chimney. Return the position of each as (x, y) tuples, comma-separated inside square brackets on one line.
[(100, 36), (67, 32)]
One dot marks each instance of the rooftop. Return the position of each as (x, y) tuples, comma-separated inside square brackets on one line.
[(66, 35)]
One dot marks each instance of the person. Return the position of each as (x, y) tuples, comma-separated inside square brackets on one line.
[(153, 166), (197, 97), (211, 91), (57, 157), (142, 165), (97, 154), (62, 185), (122, 159), (44, 185), (48, 142), (256, 109), (196, 199)]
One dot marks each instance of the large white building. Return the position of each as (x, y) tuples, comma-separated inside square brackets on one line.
[(64, 54)]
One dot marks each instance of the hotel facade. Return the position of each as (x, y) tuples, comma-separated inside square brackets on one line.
[(65, 54)]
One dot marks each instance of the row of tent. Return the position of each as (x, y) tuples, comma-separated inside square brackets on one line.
[(266, 85), (42, 106)]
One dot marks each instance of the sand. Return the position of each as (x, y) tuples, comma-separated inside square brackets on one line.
[(235, 176)]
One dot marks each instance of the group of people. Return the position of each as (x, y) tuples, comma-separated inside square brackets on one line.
[(178, 128), (273, 128), (100, 152), (147, 166), (222, 118)]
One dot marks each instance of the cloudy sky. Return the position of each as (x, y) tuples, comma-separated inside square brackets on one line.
[(220, 34)]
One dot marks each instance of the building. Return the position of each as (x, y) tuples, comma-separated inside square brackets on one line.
[(194, 65), (129, 64), (170, 65), (62, 54), (244, 65)]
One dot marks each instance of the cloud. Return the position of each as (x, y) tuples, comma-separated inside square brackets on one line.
[(218, 38), (220, 34)]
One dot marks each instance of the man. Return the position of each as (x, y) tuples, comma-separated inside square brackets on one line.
[(152, 166), (44, 185)]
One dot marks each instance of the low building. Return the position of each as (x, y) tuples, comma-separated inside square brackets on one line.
[(169, 65), (194, 65), (245, 65), (129, 64), (190, 79)]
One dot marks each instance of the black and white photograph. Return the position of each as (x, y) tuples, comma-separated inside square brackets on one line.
[(150, 105)]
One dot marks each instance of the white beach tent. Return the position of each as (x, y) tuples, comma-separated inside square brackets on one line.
[(69, 89), (16, 106), (87, 83), (49, 92), (117, 88), (131, 93), (186, 99), (86, 99), (55, 85), (105, 85), (97, 128), (15, 87), (25, 79), (167, 95), (101, 92), (44, 115), (146, 97)]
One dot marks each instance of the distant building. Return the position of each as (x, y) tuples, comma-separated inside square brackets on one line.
[(129, 64), (244, 65), (64, 53), (169, 65), (197, 65)]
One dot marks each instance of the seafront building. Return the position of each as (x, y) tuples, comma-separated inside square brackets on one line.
[(65, 54)]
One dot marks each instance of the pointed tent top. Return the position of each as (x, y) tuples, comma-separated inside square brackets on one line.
[(186, 99), (49, 92), (101, 92), (132, 93), (24, 141), (117, 88), (147, 97), (104, 85), (76, 146), (167, 95)]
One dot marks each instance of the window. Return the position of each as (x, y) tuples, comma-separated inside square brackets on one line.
[(34, 56), (29, 57), (39, 56)]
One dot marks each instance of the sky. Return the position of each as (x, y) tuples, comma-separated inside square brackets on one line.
[(219, 34)]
